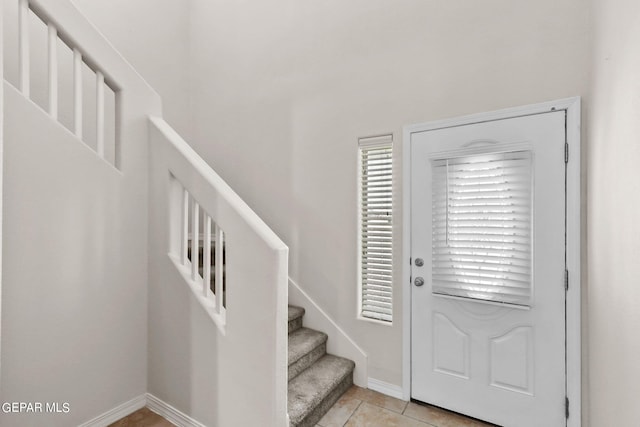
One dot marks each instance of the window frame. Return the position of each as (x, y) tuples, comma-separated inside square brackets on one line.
[(364, 144)]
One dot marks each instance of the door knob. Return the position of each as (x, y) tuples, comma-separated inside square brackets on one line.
[(418, 281), (419, 262)]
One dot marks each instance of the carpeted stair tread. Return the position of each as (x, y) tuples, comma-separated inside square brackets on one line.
[(303, 341), (295, 312), (315, 389), (295, 318), (305, 347)]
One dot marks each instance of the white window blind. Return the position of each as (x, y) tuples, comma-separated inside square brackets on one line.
[(376, 220), (482, 227)]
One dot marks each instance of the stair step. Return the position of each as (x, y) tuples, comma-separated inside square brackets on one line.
[(305, 347), (316, 389), (295, 318)]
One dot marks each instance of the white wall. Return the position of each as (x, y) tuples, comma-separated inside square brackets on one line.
[(153, 36), (614, 209), (74, 279), (284, 90)]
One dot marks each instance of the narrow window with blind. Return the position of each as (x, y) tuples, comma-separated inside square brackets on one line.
[(376, 220), (481, 213)]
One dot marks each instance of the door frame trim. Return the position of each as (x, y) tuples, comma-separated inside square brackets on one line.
[(2, 83), (572, 107)]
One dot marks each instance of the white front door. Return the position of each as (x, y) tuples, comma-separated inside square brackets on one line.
[(488, 266)]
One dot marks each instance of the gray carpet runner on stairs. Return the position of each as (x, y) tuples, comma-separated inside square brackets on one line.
[(316, 379)]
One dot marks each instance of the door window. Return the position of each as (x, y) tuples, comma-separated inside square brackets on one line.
[(481, 213)]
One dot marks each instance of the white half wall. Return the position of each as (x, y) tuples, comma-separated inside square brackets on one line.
[(286, 88), (74, 318), (228, 375), (614, 212)]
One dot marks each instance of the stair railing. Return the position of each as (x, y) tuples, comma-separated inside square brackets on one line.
[(121, 95)]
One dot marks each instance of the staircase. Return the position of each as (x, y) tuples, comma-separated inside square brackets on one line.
[(316, 379)]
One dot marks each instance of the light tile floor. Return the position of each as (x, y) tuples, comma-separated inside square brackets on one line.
[(360, 407)]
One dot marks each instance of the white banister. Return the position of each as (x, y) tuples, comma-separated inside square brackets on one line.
[(100, 113), (186, 210), (90, 50), (77, 93), (195, 237), (52, 43), (206, 258), (184, 237), (23, 46), (219, 270)]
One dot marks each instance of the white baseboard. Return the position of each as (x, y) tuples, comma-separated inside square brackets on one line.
[(158, 406), (170, 413), (386, 388), (117, 413)]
